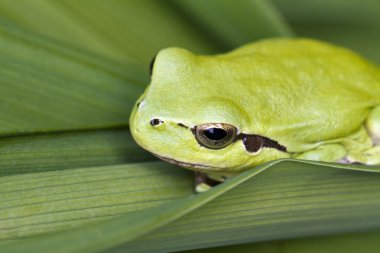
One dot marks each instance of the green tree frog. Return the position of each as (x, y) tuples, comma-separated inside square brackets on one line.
[(276, 98)]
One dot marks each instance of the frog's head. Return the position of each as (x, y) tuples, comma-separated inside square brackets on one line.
[(190, 116)]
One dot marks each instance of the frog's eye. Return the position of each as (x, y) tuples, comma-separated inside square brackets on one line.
[(215, 135)]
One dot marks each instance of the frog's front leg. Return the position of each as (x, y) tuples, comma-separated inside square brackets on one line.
[(325, 153), (371, 156), (364, 147), (203, 182)]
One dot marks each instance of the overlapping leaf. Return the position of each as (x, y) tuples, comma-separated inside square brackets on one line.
[(43, 202), (274, 201), (347, 243)]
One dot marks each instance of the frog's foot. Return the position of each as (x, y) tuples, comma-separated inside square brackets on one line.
[(203, 183), (373, 125), (370, 156), (348, 160), (373, 155)]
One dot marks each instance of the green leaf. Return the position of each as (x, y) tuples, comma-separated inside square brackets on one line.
[(122, 30), (281, 199), (67, 150), (37, 203), (237, 23), (47, 87), (354, 24), (367, 242), (288, 200)]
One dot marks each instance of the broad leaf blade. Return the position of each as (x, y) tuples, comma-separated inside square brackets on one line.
[(122, 30), (367, 242), (354, 24), (68, 150), (37, 203), (299, 198), (235, 23), (288, 200), (47, 87)]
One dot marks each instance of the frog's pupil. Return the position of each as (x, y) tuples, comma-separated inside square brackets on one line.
[(215, 133)]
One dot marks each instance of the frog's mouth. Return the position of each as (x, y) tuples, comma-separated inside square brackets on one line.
[(197, 166)]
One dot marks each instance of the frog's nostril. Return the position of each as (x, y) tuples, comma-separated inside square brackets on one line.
[(156, 122)]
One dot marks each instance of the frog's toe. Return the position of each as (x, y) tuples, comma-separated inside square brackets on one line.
[(202, 182), (370, 156), (373, 155), (347, 160), (202, 187), (373, 125)]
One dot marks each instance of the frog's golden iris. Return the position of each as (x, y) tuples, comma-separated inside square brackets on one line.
[(215, 135)]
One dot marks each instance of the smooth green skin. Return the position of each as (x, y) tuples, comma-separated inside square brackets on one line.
[(318, 100)]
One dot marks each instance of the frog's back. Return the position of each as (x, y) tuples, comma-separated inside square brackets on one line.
[(318, 90)]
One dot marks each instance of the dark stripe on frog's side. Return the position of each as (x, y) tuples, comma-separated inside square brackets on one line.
[(254, 143)]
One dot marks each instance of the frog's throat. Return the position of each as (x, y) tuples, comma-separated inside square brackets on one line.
[(195, 166)]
